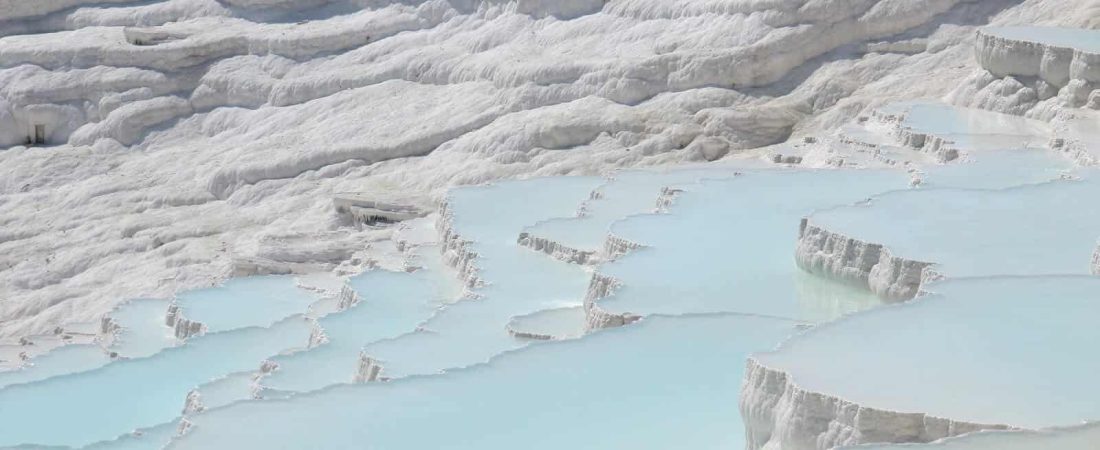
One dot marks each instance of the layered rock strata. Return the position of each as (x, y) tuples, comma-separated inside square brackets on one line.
[(1055, 64)]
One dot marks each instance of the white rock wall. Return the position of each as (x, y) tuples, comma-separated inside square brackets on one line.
[(1030, 78), (1053, 64), (870, 265)]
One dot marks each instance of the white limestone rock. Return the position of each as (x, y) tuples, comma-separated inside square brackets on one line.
[(869, 265)]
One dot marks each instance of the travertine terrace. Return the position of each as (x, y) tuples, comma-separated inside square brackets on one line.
[(578, 224)]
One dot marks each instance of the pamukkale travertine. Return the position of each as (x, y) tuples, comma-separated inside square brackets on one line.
[(782, 225)]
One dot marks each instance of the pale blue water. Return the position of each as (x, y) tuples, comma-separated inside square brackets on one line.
[(228, 389), (1084, 39), (999, 150), (728, 246), (631, 192), (560, 323), (972, 127), (126, 395), (143, 333), (472, 331), (520, 281), (153, 438), (245, 302), (1008, 350), (720, 262), (59, 361), (1048, 228), (998, 169), (1084, 437), (391, 304), (143, 330), (661, 384)]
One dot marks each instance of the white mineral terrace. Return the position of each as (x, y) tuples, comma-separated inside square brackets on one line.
[(896, 240), (389, 304), (949, 132), (700, 257), (549, 224), (732, 234), (1056, 55), (599, 401), (255, 301), (977, 353), (137, 369), (145, 391), (515, 281), (582, 238), (551, 324)]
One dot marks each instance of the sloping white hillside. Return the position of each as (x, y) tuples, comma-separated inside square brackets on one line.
[(183, 141)]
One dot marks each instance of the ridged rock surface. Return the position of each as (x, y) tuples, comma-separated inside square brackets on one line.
[(870, 265)]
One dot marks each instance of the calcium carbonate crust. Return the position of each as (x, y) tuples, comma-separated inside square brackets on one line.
[(870, 265), (599, 287), (183, 328), (1056, 65), (456, 250), (779, 414), (614, 247), (1031, 78)]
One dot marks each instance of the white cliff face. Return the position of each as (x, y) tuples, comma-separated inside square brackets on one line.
[(865, 264), (1054, 55), (1034, 70)]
